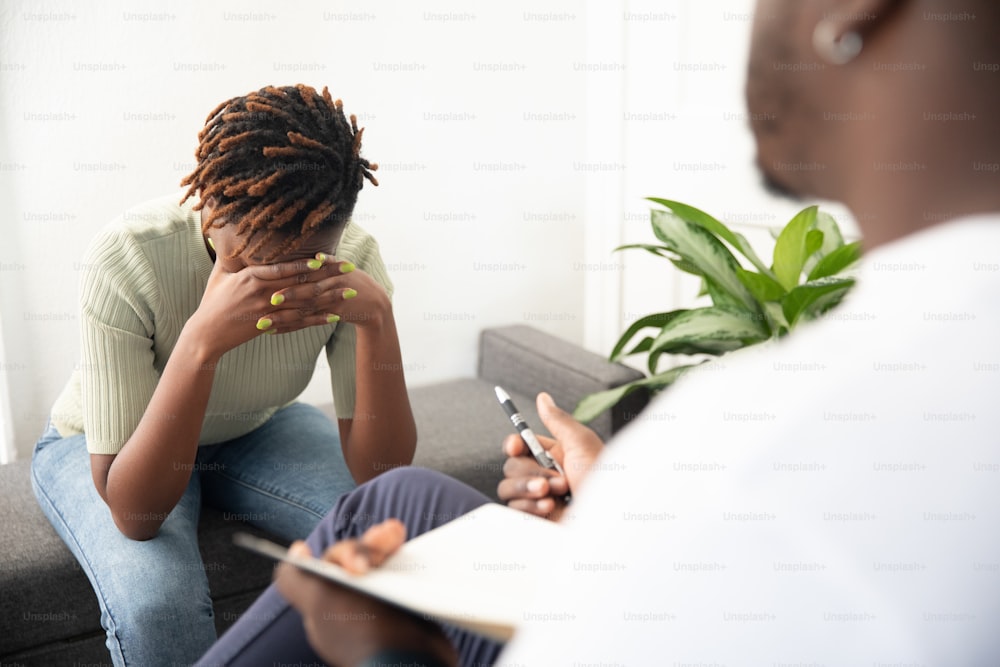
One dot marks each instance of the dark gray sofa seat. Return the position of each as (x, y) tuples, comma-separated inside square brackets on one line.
[(49, 615)]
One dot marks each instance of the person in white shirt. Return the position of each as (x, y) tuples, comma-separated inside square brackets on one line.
[(833, 499)]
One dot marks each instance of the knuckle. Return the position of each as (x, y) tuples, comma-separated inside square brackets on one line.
[(513, 467)]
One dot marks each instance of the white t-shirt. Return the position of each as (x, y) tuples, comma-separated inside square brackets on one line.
[(833, 499)]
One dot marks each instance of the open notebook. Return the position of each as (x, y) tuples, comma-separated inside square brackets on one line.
[(476, 572)]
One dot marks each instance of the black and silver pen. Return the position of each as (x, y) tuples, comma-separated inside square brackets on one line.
[(527, 435)]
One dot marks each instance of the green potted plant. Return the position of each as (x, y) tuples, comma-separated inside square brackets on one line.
[(751, 302)]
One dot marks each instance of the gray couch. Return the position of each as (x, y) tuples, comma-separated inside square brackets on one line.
[(49, 615)]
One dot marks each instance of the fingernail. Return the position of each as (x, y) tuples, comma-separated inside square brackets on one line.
[(314, 263), (347, 267), (330, 319), (321, 256), (536, 485), (211, 243), (271, 332), (350, 293), (264, 323), (277, 299)]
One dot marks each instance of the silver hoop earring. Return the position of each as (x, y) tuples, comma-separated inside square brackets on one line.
[(833, 49)]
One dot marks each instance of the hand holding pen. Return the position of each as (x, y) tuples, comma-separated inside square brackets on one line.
[(526, 433), (530, 484)]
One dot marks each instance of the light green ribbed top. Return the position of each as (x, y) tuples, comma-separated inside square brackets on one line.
[(143, 277)]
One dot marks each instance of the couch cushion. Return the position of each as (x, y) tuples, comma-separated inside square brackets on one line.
[(525, 360), (47, 598), (461, 427)]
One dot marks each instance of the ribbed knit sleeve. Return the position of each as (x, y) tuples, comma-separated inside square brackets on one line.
[(117, 294), (361, 248)]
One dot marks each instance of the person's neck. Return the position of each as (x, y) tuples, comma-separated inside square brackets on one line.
[(930, 152), (927, 172), (902, 196)]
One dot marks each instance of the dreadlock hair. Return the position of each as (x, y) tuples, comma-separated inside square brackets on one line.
[(280, 161)]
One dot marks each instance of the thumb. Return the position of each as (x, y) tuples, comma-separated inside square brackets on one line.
[(560, 423)]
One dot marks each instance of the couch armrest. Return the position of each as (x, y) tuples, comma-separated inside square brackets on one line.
[(524, 360)]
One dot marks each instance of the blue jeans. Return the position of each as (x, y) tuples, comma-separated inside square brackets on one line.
[(155, 604), (272, 633)]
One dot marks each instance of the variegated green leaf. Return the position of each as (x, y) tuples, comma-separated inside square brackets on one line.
[(832, 239), (835, 262), (720, 297), (698, 246), (656, 320), (764, 288), (798, 301), (713, 330), (687, 267), (779, 325), (823, 304), (699, 217), (658, 250), (642, 346), (590, 407)]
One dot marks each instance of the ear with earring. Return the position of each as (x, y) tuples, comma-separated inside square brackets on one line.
[(834, 48)]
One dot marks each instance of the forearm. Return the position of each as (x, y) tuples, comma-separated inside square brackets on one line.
[(150, 474), (383, 434)]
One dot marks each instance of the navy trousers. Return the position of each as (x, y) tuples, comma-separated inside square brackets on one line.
[(271, 631)]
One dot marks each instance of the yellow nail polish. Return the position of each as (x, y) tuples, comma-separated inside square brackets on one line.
[(314, 263), (347, 267), (211, 243), (264, 323), (271, 332), (330, 319), (350, 293), (277, 299), (321, 256)]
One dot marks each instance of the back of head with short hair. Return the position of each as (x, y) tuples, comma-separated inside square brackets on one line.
[(279, 162)]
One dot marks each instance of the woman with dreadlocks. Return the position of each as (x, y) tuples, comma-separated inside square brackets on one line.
[(202, 322)]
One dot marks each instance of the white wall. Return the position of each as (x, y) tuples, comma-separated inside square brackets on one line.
[(509, 166)]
